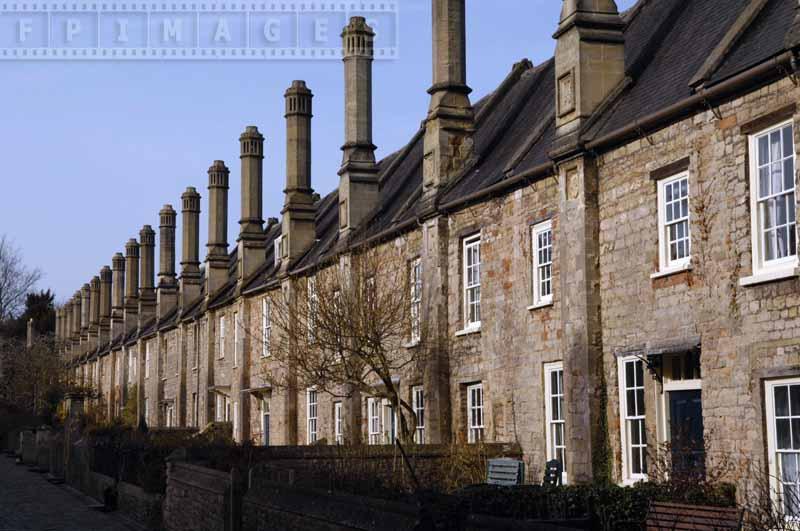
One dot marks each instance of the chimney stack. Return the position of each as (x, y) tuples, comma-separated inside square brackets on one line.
[(105, 305), (298, 209), (358, 176), (94, 311), (252, 242), (167, 286), (450, 123), (85, 296), (589, 63), (217, 257), (190, 259), (76, 319), (117, 295), (147, 293), (131, 285)]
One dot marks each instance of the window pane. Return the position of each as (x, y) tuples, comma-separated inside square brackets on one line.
[(780, 210), (776, 177), (789, 468), (782, 235), (769, 213), (784, 434), (782, 401), (629, 381), (763, 150), (788, 141), (788, 174), (630, 400), (796, 433), (763, 181), (775, 145), (639, 373)]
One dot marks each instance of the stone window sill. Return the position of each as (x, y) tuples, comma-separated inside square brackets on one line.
[(671, 271), (540, 305), (470, 330), (412, 344), (770, 276)]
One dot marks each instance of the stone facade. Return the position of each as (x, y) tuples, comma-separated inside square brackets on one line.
[(611, 302)]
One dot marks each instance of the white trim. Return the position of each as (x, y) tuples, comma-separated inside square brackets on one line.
[(266, 326), (147, 359), (771, 275), (221, 337), (539, 306), (312, 416), (476, 432), (537, 230), (235, 339), (415, 287), (471, 330), (774, 474), (468, 244), (549, 369), (338, 421), (627, 476), (672, 271), (666, 265), (373, 420), (418, 406), (782, 264)]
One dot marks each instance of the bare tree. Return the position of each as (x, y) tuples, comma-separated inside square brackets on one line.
[(16, 280), (33, 377), (353, 327)]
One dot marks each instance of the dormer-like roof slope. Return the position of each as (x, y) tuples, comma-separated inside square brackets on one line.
[(668, 43)]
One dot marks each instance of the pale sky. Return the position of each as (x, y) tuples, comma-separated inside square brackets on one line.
[(92, 150)]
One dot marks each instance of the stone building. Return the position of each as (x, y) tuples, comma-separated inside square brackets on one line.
[(610, 236)]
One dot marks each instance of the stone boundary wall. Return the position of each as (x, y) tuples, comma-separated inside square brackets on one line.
[(142, 507), (198, 499)]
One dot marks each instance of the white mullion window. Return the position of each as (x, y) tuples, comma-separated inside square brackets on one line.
[(472, 282), (338, 432), (277, 250), (416, 298), (221, 336), (266, 326), (555, 426), (418, 405), (783, 434), (475, 424), (235, 420), (374, 420), (311, 414), (772, 191), (542, 252), (674, 228), (632, 413)]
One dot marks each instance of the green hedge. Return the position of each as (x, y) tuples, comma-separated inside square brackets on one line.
[(609, 506)]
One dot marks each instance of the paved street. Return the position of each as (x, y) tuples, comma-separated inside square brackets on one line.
[(29, 503)]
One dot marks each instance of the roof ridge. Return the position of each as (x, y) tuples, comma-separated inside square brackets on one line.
[(493, 98)]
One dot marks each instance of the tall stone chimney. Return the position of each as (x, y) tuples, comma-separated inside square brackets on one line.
[(217, 257), (76, 320), (147, 292), (589, 62), (298, 208), (94, 311), (85, 296), (117, 295), (358, 176), (104, 329), (252, 242), (450, 123), (167, 285), (190, 243), (131, 285)]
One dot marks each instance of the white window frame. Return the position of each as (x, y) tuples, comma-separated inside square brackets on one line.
[(147, 411), (162, 358), (236, 420), (476, 430), (779, 267), (415, 282), (374, 420), (266, 415), (131, 366), (219, 408), (550, 421), (666, 264), (147, 354), (471, 288), (388, 422), (537, 230), (776, 485), (418, 405), (338, 432), (628, 477), (277, 249), (221, 334), (312, 415), (195, 410), (266, 326), (235, 339)]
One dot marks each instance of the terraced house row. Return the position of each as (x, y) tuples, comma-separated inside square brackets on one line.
[(609, 239)]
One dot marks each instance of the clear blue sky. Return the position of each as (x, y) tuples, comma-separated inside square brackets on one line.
[(91, 151)]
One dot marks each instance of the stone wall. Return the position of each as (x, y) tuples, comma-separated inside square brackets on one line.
[(198, 499)]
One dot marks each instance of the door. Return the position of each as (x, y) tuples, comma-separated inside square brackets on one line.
[(686, 433)]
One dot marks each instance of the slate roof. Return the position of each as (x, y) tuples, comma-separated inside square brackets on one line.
[(667, 42)]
